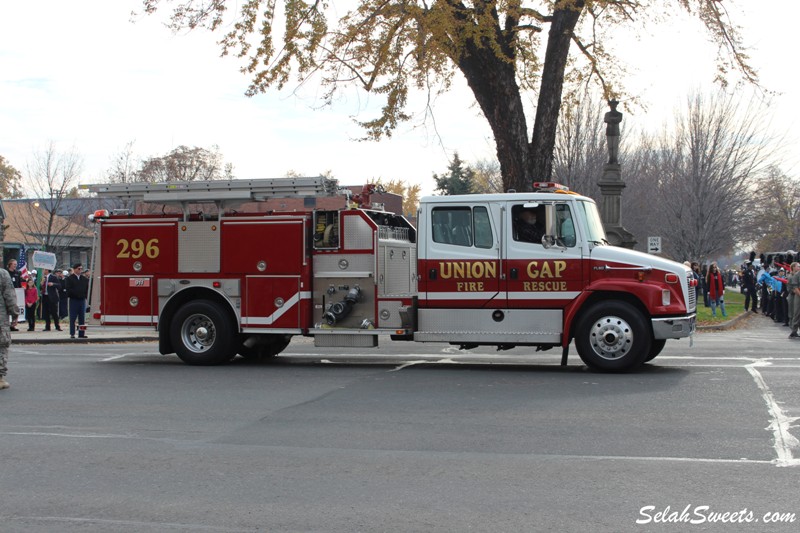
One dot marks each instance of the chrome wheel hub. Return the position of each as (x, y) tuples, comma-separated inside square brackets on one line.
[(611, 337), (198, 333)]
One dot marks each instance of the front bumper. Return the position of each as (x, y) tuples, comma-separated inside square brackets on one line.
[(674, 327)]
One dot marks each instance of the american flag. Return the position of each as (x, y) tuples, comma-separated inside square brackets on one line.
[(22, 266)]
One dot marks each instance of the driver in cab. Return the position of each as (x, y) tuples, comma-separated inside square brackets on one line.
[(527, 226)]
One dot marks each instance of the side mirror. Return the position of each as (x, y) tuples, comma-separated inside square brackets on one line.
[(549, 240), (550, 219)]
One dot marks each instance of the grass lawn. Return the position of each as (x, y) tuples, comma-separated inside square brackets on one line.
[(734, 306)]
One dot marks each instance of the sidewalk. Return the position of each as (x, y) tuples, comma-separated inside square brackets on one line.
[(95, 333)]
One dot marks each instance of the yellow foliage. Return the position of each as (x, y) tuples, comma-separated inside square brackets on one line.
[(410, 193)]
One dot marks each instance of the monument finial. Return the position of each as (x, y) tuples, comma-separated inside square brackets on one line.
[(612, 119)]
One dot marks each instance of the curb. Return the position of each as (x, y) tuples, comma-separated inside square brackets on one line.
[(722, 326), (90, 340)]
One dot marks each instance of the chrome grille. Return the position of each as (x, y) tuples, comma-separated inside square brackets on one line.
[(692, 293)]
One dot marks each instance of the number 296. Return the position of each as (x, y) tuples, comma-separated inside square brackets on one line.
[(137, 248)]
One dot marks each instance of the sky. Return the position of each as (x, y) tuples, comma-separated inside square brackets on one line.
[(89, 77)]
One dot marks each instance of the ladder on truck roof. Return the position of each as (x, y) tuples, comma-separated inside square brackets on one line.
[(223, 193)]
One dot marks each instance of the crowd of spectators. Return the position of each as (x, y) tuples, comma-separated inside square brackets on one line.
[(53, 296), (769, 282)]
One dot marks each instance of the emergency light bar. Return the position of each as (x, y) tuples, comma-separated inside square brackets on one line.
[(549, 186), (99, 214)]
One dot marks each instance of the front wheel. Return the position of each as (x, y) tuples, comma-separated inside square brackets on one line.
[(613, 336), (203, 334), (655, 349)]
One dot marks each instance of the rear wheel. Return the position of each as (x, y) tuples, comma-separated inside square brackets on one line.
[(203, 334), (266, 347), (613, 336)]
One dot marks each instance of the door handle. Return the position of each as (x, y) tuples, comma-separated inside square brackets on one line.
[(432, 274), (514, 274)]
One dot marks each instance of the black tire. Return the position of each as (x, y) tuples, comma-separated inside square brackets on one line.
[(265, 348), (655, 348), (203, 334), (613, 336), (252, 353)]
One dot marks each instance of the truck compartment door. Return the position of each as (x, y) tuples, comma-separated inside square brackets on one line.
[(272, 302), (128, 301), (258, 246), (139, 246)]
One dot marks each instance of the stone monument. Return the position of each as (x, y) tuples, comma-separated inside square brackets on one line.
[(611, 184)]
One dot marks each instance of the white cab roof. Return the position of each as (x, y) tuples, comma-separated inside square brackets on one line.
[(503, 197)]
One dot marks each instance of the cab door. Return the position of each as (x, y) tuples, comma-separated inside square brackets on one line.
[(459, 263), (537, 277)]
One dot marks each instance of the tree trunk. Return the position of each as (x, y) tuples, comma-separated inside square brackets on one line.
[(493, 81), (559, 39)]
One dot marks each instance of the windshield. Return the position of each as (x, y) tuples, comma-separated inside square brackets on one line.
[(593, 223)]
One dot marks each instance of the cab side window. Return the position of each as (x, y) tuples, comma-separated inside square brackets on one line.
[(462, 226), (483, 228)]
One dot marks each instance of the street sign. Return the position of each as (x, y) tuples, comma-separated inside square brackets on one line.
[(654, 245)]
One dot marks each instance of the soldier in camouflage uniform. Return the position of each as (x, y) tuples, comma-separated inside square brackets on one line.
[(794, 300), (8, 309)]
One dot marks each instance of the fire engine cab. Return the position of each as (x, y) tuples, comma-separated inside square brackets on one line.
[(508, 270)]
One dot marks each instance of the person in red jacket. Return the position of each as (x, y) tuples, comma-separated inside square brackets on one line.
[(716, 289), (31, 298)]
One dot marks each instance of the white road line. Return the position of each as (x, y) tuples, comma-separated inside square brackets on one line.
[(454, 350), (541, 360), (530, 455), (726, 358), (780, 423), (407, 364), (68, 435), (137, 524), (535, 357), (657, 459), (120, 356)]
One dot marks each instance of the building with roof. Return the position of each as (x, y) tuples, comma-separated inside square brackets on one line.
[(27, 223)]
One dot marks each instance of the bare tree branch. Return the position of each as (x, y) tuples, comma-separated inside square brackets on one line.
[(52, 177)]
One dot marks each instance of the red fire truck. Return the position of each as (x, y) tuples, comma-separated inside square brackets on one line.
[(227, 282)]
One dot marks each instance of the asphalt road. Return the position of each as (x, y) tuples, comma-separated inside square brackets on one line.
[(114, 437)]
